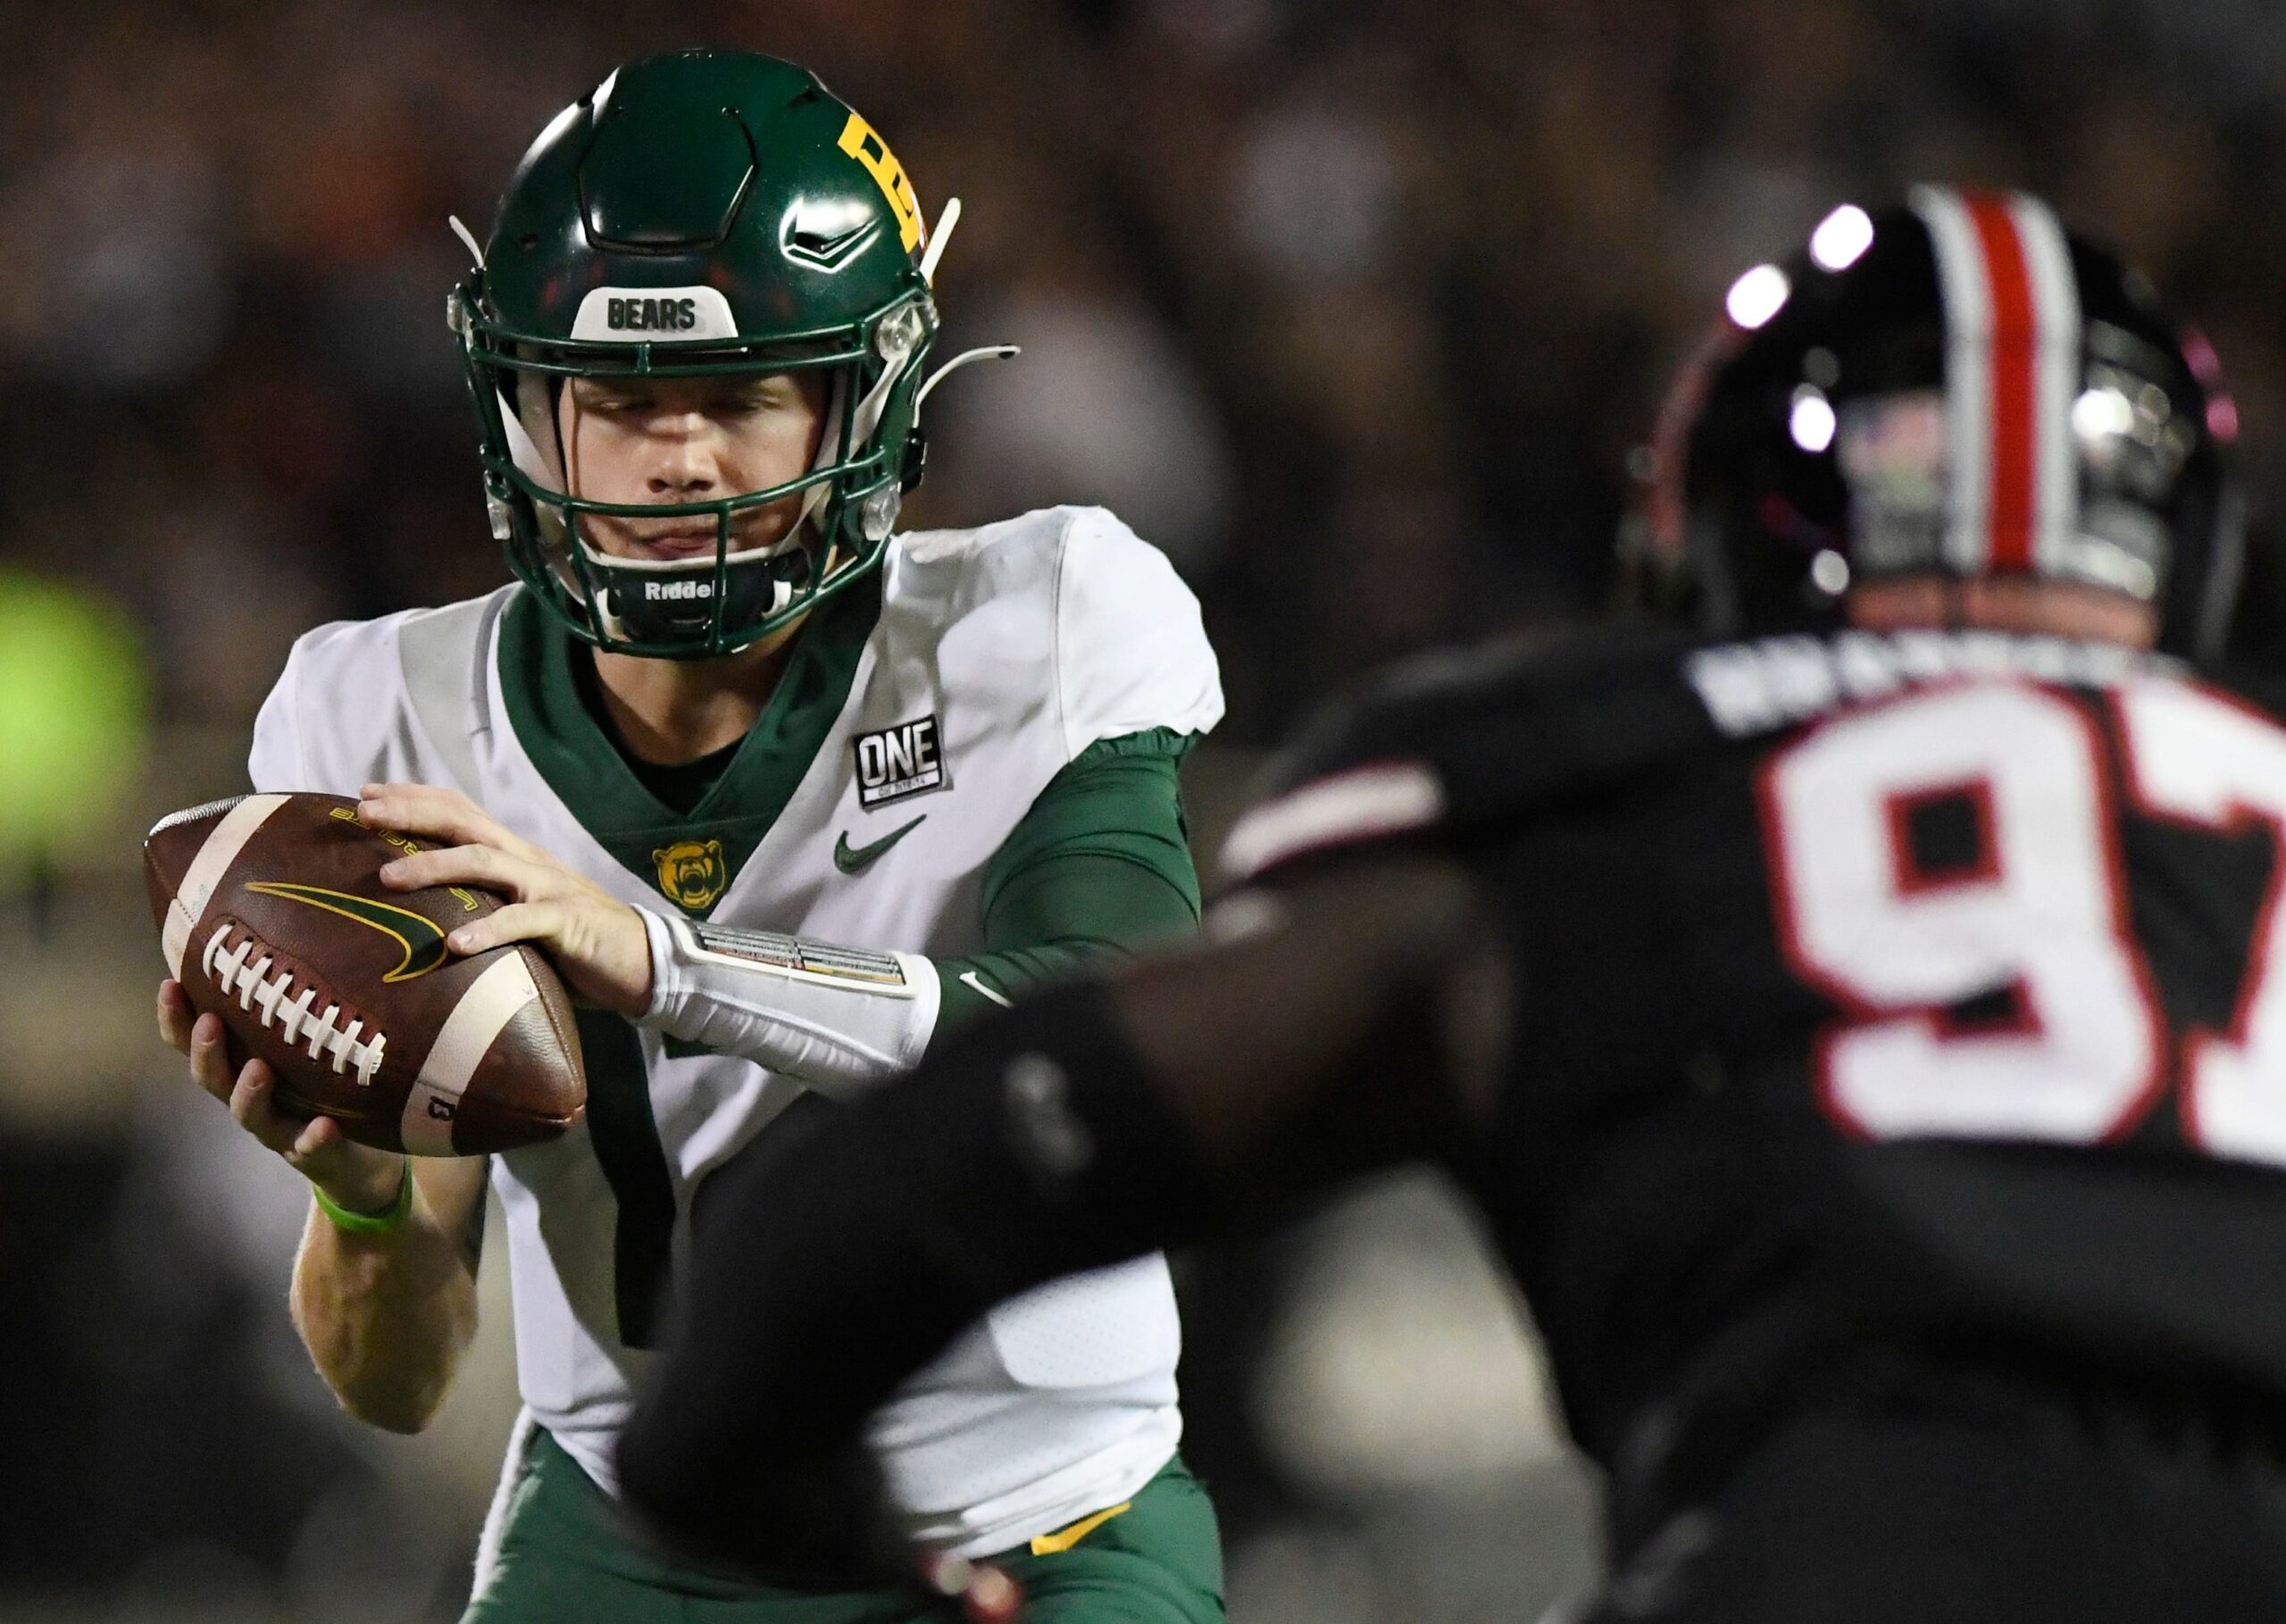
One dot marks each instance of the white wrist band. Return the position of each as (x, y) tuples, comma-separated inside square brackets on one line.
[(833, 1018)]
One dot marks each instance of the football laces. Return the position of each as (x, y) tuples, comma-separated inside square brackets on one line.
[(244, 972)]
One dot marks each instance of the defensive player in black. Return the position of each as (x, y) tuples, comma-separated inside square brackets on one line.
[(1854, 1010)]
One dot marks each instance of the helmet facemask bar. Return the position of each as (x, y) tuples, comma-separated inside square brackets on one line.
[(699, 607)]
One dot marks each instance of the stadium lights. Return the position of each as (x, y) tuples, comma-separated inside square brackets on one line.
[(1812, 421), (1841, 237), (1757, 296)]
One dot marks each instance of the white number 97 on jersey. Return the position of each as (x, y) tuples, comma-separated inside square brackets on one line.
[(2034, 921)]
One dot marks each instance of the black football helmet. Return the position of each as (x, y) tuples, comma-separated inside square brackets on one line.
[(1960, 387)]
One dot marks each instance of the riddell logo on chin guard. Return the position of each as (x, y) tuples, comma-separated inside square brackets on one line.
[(676, 592)]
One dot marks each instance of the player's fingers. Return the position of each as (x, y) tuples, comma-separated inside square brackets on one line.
[(175, 1016), (986, 1594), (530, 921), (317, 1138), (993, 1598), (254, 1103), (210, 1059), (474, 865), (442, 814), (417, 809)]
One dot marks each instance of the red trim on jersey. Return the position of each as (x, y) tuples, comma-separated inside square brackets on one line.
[(2026, 1020), (1778, 868), (1906, 872), (2239, 817), (1363, 824), (2014, 396)]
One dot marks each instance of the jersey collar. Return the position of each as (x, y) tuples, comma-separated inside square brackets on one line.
[(690, 859)]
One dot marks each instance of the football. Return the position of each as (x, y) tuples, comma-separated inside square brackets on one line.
[(273, 915)]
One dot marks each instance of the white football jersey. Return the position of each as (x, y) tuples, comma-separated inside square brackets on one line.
[(998, 656)]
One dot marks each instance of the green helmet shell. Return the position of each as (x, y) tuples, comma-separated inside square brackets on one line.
[(699, 214)]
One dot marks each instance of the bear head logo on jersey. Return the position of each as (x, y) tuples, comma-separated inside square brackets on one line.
[(691, 873), (1960, 388)]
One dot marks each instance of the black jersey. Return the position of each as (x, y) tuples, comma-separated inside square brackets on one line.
[(1873, 994)]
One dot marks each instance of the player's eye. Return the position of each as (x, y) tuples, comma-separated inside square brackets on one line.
[(769, 396)]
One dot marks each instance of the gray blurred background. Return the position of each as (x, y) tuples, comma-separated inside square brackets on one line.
[(1358, 309)]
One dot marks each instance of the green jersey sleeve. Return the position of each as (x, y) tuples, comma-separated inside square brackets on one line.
[(1100, 866)]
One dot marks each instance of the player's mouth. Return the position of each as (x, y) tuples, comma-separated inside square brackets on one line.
[(677, 544), (689, 539)]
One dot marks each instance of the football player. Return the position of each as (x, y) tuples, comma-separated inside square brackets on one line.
[(1857, 1009), (786, 792)]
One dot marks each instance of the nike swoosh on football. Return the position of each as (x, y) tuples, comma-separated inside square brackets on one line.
[(423, 942), (850, 858)]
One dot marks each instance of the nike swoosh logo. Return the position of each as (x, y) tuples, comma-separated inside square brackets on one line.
[(423, 943), (850, 858), (969, 977)]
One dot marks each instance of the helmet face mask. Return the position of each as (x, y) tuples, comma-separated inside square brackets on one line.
[(1969, 392), (641, 238)]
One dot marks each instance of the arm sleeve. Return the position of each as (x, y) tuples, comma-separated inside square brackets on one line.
[(1097, 1122), (947, 1188), (1101, 864), (1100, 867)]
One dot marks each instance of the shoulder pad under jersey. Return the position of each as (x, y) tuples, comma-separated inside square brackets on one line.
[(1460, 742)]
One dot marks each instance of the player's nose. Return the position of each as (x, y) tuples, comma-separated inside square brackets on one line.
[(684, 470)]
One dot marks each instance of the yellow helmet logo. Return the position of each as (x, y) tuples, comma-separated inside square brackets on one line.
[(692, 872), (860, 141)]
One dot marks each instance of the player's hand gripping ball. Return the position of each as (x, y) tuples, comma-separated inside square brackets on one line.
[(273, 915), (598, 942)]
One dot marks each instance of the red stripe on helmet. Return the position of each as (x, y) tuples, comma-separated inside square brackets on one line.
[(2013, 399)]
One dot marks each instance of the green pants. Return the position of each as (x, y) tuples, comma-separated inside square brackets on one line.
[(566, 1558)]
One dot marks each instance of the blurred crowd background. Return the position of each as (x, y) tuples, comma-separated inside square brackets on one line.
[(1357, 309)]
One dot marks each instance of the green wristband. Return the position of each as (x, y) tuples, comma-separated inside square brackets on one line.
[(370, 1223)]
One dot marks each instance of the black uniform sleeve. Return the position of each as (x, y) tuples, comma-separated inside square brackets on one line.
[(1456, 750), (1028, 1147)]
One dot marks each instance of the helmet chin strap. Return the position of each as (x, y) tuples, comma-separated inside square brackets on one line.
[(930, 258), (607, 568), (468, 237), (942, 234), (828, 453), (986, 351)]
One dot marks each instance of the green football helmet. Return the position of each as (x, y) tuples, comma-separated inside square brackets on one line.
[(700, 214)]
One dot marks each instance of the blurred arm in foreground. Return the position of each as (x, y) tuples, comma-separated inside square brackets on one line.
[(1188, 1096)]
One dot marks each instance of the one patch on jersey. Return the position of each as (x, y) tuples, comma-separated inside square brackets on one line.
[(769, 950), (895, 763)]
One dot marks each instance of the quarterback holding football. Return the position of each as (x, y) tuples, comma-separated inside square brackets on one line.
[(782, 791)]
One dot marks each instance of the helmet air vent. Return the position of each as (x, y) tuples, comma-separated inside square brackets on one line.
[(664, 177)]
